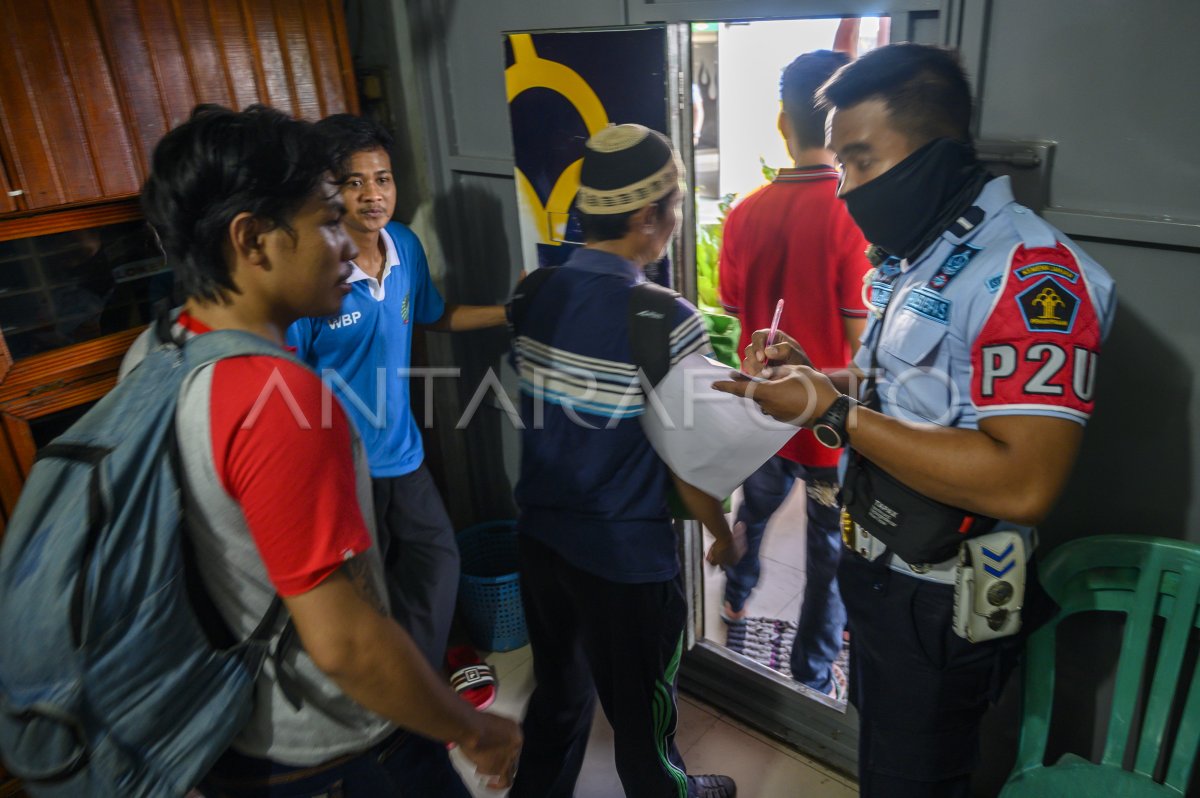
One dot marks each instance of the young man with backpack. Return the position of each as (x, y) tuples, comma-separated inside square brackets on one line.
[(276, 502)]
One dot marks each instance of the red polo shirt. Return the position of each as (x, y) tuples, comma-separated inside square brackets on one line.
[(284, 454), (793, 239)]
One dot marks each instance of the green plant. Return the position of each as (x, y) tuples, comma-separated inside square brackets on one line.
[(723, 329), (769, 172), (708, 250)]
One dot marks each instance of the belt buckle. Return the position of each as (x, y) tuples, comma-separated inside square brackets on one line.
[(859, 540)]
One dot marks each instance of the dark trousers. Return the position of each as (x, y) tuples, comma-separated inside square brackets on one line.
[(402, 766), (420, 558), (920, 689), (592, 637), (822, 614)]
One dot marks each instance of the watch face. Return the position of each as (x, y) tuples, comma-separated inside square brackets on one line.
[(828, 436)]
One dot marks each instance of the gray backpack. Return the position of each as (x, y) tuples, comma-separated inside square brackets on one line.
[(117, 676)]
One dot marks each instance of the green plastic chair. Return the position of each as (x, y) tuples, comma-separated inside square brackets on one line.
[(1141, 577)]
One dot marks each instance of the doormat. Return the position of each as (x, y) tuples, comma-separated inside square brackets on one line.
[(769, 641)]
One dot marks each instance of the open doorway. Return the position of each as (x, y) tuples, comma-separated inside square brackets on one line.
[(736, 70)]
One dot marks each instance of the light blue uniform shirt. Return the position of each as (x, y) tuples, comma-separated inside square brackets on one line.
[(364, 352), (1001, 315)]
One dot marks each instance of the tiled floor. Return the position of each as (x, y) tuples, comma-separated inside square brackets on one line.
[(781, 581), (709, 742)]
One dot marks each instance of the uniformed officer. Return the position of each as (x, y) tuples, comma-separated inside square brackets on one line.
[(986, 327)]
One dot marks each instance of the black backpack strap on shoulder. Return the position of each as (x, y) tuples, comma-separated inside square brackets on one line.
[(651, 313), (523, 294)]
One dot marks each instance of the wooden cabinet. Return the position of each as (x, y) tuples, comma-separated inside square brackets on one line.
[(88, 88), (49, 391)]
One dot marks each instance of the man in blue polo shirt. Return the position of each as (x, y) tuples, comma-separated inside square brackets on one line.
[(364, 353), (600, 577)]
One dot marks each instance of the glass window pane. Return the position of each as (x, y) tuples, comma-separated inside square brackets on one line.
[(65, 288)]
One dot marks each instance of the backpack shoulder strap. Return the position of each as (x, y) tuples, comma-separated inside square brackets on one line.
[(651, 311), (523, 294)]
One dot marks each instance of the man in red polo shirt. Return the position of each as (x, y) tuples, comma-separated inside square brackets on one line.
[(793, 240)]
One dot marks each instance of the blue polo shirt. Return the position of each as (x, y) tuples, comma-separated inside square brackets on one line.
[(591, 487), (364, 353)]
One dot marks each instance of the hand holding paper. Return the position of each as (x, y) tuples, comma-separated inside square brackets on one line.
[(710, 440), (795, 394)]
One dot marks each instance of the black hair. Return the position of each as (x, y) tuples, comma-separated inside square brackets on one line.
[(614, 226), (221, 163), (924, 87), (797, 88), (353, 134)]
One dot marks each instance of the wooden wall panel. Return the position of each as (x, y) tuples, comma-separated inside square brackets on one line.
[(49, 159), (167, 59), (7, 202), (88, 87), (141, 94), (327, 47), (260, 25), (241, 56), (206, 62), (293, 38), (65, 135), (91, 84)]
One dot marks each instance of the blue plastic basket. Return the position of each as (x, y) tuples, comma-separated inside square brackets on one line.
[(489, 588)]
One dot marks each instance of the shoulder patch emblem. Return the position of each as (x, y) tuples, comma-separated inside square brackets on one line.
[(1038, 269), (1048, 306), (405, 307)]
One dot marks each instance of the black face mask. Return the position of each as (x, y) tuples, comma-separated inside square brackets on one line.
[(908, 206)]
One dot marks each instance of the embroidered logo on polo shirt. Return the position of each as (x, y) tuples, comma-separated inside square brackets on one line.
[(404, 309)]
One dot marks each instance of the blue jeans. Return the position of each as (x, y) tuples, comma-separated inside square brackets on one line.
[(822, 614), (404, 765)]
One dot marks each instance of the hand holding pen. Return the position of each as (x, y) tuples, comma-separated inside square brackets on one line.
[(774, 330), (784, 351)]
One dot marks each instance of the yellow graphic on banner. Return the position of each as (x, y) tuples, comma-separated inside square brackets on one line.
[(530, 71)]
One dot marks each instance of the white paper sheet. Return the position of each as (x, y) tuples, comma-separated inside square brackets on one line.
[(711, 439)]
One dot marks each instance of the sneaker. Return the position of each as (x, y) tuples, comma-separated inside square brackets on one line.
[(838, 687), (730, 615), (711, 786), (471, 677)]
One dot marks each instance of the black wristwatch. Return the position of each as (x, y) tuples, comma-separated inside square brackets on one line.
[(830, 428)]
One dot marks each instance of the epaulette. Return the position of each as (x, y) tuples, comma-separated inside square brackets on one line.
[(1034, 231)]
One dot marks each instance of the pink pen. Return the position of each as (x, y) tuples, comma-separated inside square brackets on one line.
[(774, 326)]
